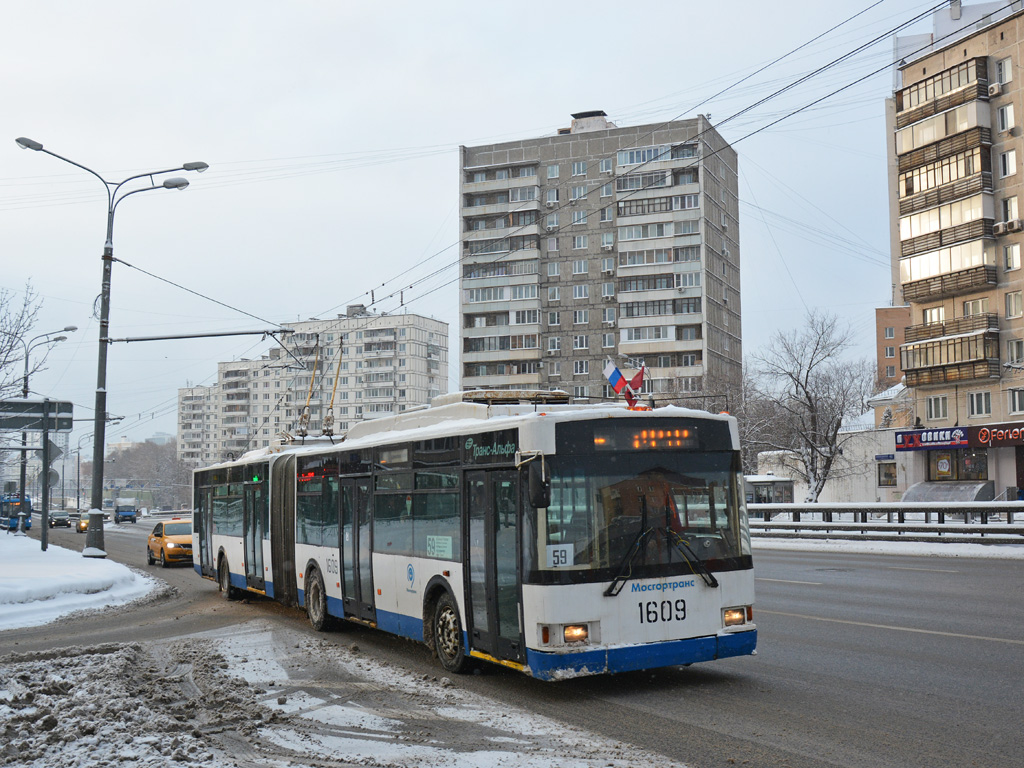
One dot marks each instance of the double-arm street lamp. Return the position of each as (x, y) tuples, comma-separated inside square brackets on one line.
[(115, 194)]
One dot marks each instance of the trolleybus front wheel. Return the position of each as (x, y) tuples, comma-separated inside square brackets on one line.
[(448, 636)]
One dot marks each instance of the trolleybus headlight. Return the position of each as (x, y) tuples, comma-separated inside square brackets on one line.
[(575, 633), (734, 616)]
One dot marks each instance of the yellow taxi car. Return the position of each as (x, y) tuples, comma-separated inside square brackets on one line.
[(170, 542)]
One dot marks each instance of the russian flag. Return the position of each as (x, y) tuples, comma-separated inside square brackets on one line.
[(611, 372)]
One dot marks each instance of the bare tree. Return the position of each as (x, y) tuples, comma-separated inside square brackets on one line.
[(150, 472), (804, 392), (17, 318), (756, 419)]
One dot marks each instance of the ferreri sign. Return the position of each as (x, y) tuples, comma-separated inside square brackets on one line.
[(931, 439), (996, 435)]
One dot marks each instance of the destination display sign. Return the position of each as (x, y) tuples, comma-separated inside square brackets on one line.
[(491, 447)]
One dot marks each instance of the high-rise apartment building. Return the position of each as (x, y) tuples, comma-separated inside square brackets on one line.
[(358, 366), (955, 155), (602, 244)]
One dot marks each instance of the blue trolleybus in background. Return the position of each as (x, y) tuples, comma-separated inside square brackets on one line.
[(11, 505), (509, 527)]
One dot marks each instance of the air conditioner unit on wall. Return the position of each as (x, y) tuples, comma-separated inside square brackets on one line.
[(551, 228), (550, 203), (999, 229), (1014, 225), (607, 247), (995, 89)]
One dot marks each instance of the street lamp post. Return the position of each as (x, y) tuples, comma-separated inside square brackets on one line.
[(115, 194), (78, 474)]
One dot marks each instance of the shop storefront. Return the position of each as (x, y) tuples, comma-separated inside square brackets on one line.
[(967, 463)]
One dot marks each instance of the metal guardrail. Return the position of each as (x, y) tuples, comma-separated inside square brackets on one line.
[(986, 522)]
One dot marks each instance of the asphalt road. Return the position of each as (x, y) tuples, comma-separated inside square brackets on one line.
[(863, 661)]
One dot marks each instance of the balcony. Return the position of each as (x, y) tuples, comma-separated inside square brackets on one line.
[(961, 142), (963, 357), (972, 230), (943, 286), (986, 322), (959, 372), (972, 92), (982, 182)]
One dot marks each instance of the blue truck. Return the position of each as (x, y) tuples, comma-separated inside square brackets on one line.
[(126, 510)]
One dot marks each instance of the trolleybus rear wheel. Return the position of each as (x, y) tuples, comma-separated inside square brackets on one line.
[(316, 602), (224, 580), (448, 636)]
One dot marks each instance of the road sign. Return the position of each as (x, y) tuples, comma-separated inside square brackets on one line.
[(27, 415), (54, 451)]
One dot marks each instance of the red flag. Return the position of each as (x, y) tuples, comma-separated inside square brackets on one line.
[(637, 382)]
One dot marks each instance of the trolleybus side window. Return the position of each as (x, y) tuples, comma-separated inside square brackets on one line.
[(227, 509)]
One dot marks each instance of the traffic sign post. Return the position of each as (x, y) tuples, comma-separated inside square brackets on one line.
[(45, 416)]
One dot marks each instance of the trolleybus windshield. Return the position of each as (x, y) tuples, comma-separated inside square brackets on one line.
[(670, 506)]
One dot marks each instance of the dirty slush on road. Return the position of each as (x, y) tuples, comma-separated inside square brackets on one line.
[(256, 698)]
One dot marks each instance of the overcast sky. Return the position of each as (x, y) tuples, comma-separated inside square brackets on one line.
[(332, 128)]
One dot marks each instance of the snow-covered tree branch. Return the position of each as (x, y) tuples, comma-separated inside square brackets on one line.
[(801, 391)]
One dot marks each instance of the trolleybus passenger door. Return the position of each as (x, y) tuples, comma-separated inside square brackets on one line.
[(252, 530), (491, 563), (203, 520), (355, 545)]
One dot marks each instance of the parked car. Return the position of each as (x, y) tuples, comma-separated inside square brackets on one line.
[(170, 542), (59, 518)]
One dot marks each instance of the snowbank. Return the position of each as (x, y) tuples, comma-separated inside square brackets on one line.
[(38, 587)]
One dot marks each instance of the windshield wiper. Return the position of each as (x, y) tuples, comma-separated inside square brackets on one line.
[(626, 566), (691, 557)]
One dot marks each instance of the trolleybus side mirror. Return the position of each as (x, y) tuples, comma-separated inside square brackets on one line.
[(539, 484)]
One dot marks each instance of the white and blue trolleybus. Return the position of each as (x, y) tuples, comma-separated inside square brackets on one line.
[(511, 527)]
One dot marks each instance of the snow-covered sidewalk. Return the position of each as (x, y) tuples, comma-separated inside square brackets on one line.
[(38, 587)]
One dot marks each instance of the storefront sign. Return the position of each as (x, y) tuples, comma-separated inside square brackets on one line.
[(996, 435), (931, 439)]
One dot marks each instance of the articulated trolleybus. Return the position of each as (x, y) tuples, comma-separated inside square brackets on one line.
[(512, 527)]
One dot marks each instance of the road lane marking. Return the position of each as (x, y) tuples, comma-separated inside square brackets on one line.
[(926, 570), (789, 581), (897, 629)]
